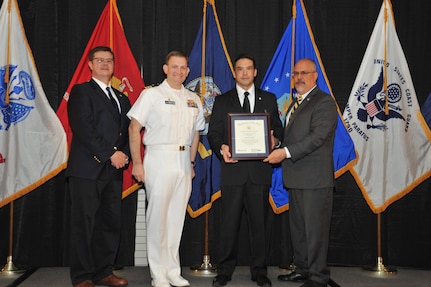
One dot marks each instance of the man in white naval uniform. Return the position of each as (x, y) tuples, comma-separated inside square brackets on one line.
[(172, 117)]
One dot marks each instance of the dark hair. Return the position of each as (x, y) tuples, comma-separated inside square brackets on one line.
[(176, 54), (245, 56), (99, 49)]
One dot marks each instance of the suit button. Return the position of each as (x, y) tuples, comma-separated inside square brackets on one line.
[(121, 134)]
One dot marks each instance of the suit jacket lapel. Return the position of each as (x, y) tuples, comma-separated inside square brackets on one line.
[(104, 97), (258, 104), (234, 99), (301, 106)]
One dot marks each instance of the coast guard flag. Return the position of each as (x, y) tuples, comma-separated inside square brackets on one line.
[(278, 80), (33, 147), (384, 120), (208, 79), (127, 78)]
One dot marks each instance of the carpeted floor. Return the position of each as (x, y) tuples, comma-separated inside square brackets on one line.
[(140, 277)]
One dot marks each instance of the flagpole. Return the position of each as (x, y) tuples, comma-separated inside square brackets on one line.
[(292, 267), (11, 268), (111, 29), (380, 269), (206, 267), (6, 76), (385, 67), (204, 30), (292, 59)]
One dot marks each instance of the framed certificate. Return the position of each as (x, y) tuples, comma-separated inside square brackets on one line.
[(249, 136)]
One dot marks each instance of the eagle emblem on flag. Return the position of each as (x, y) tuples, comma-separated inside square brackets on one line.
[(373, 111), (21, 90)]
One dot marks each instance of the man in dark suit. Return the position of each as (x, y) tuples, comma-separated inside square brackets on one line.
[(98, 154), (244, 183), (308, 174)]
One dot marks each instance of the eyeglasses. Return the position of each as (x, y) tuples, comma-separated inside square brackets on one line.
[(102, 60), (302, 73)]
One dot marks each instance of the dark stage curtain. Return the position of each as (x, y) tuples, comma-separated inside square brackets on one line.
[(58, 32)]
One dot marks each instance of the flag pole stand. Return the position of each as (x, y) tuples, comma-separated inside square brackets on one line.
[(205, 268), (380, 269), (10, 267)]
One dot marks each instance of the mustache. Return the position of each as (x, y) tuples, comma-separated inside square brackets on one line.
[(299, 82)]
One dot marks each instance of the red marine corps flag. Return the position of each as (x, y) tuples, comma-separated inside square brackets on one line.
[(127, 79)]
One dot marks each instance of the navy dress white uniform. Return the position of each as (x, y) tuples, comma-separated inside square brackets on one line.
[(171, 118)]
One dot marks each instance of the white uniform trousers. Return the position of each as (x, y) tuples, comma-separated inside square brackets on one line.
[(168, 186)]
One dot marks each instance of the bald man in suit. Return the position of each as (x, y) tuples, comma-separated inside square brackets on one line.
[(308, 174)]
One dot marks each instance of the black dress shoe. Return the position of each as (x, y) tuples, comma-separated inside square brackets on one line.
[(221, 280), (262, 280), (294, 277)]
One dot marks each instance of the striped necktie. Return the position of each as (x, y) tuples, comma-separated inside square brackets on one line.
[(295, 106)]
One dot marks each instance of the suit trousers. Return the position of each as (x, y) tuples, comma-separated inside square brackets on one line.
[(310, 220), (95, 227), (252, 198)]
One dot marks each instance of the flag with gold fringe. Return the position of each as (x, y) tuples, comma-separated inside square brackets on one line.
[(127, 78), (384, 120), (297, 43), (210, 75), (33, 147)]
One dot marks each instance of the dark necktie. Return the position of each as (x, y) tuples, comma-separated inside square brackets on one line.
[(246, 104), (295, 106), (113, 102)]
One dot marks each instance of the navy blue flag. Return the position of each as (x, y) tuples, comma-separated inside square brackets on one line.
[(208, 79), (297, 43)]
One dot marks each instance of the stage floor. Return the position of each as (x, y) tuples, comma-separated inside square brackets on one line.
[(140, 277)]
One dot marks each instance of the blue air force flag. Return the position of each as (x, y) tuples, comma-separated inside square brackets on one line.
[(33, 146), (277, 80), (216, 79), (384, 120)]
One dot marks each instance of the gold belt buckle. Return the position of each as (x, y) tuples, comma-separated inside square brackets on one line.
[(181, 147)]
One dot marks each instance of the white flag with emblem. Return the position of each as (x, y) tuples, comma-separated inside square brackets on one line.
[(33, 146), (384, 120)]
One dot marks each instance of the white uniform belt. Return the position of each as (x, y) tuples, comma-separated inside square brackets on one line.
[(169, 147)]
